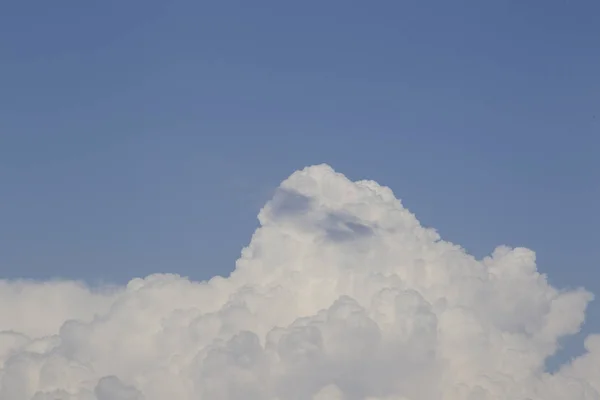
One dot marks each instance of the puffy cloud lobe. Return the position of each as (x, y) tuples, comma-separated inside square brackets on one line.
[(341, 294)]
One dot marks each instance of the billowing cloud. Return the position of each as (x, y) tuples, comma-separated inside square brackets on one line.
[(341, 294)]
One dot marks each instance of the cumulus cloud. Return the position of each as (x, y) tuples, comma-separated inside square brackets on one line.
[(341, 294)]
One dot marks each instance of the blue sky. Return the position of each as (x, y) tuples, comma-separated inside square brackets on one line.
[(140, 137)]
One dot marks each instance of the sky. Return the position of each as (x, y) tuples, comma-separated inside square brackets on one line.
[(142, 137)]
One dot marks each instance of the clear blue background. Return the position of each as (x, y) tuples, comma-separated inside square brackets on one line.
[(144, 136)]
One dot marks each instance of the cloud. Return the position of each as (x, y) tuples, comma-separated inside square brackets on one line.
[(341, 294)]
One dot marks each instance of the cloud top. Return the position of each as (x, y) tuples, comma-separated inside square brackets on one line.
[(340, 294)]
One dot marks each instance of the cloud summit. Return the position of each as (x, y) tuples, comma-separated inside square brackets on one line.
[(341, 294)]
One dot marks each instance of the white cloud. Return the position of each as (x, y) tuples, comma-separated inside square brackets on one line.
[(341, 294)]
